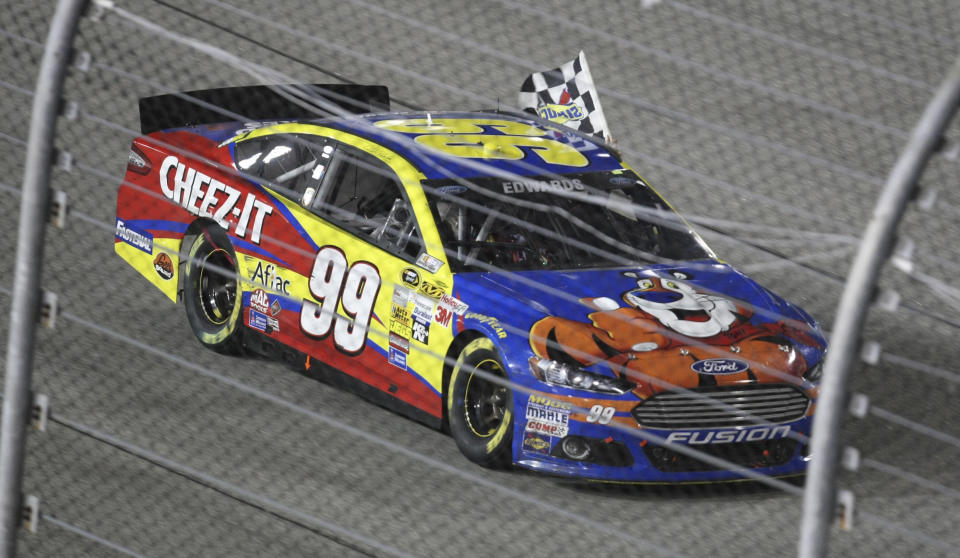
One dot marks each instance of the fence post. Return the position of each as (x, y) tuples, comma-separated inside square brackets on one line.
[(25, 303), (819, 496)]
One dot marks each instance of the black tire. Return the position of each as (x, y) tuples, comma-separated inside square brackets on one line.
[(211, 292), (480, 412)]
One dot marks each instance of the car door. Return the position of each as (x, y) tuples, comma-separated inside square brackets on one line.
[(367, 305)]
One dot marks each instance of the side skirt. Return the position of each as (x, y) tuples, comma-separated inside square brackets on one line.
[(256, 343)]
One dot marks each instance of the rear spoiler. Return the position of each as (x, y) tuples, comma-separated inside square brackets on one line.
[(254, 102)]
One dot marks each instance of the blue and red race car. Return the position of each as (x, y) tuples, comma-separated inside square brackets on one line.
[(490, 272)]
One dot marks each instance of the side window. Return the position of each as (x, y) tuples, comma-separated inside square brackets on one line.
[(293, 164), (362, 194)]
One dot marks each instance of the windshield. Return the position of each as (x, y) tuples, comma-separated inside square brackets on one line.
[(598, 219)]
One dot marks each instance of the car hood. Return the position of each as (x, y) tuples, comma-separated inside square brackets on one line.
[(638, 313)]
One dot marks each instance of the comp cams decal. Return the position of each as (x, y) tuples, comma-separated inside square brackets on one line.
[(546, 416), (197, 193)]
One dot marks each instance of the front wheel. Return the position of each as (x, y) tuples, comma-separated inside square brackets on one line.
[(480, 411), (211, 292)]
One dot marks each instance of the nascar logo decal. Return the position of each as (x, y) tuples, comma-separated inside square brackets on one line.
[(719, 366), (188, 191)]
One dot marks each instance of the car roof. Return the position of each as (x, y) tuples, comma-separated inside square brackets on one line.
[(434, 165), (596, 157)]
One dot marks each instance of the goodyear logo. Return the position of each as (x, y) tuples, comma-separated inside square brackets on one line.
[(561, 113)]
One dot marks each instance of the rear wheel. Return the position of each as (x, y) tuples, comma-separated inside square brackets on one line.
[(211, 292), (479, 410)]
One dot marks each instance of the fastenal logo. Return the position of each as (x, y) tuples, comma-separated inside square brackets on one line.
[(719, 366), (134, 236)]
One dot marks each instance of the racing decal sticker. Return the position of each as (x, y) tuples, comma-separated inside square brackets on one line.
[(447, 308), (536, 442), (163, 265), (134, 236), (455, 305), (261, 312), (423, 307), (410, 277), (547, 417), (400, 320), (260, 301), (398, 358), (420, 330), (332, 284), (275, 307), (269, 276), (443, 315), (258, 321), (401, 295), (548, 428), (431, 290), (197, 193), (399, 343), (429, 263)]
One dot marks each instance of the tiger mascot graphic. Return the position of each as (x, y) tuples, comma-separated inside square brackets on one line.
[(667, 326)]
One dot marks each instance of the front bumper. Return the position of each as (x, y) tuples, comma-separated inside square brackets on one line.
[(622, 451)]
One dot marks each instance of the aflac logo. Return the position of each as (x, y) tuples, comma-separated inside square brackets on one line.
[(719, 366), (561, 113)]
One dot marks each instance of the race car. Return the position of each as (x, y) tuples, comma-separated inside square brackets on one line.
[(490, 273)]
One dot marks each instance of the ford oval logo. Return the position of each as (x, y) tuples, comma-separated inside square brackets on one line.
[(719, 366)]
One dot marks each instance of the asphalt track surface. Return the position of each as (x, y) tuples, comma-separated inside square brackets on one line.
[(782, 115)]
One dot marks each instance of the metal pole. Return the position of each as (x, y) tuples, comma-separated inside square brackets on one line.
[(819, 496), (34, 207)]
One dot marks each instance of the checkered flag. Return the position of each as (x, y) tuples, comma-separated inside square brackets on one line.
[(566, 95)]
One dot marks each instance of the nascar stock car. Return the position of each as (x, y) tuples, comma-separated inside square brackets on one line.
[(492, 273)]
